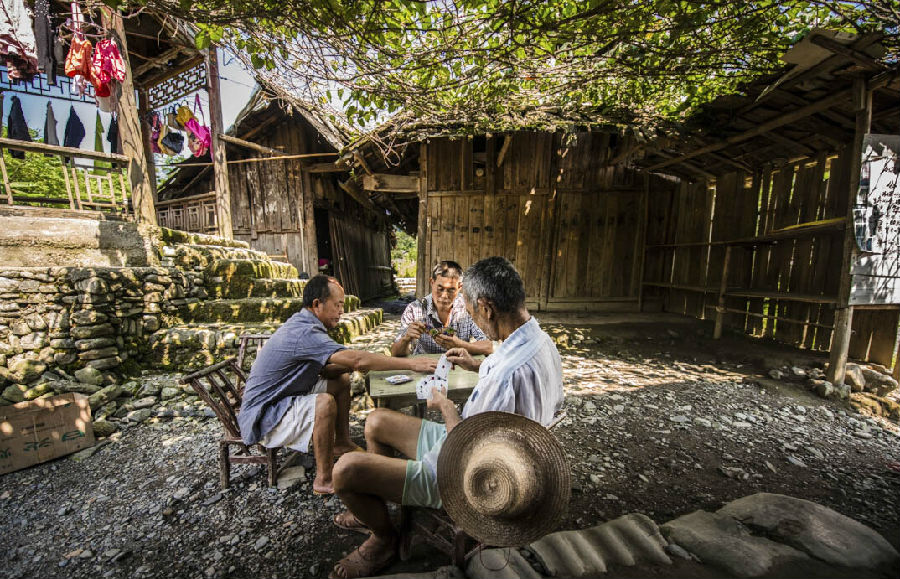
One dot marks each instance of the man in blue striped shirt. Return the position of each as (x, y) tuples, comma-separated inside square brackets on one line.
[(439, 321)]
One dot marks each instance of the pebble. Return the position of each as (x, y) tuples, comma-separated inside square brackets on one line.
[(796, 461)]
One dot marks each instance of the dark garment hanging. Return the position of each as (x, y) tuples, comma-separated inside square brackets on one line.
[(112, 136), (50, 135), (45, 37), (74, 130), (16, 127)]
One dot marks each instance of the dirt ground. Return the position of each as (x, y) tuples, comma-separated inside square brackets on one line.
[(661, 420)]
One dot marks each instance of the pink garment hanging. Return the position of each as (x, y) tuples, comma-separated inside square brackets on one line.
[(107, 63), (199, 138), (154, 133)]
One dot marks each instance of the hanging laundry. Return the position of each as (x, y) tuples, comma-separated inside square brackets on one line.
[(16, 128), (112, 136), (106, 63), (17, 43), (45, 38), (75, 132), (154, 133), (78, 64), (50, 135)]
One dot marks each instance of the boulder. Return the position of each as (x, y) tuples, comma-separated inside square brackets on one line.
[(102, 428), (14, 393), (105, 396), (721, 541), (814, 529), (853, 376), (26, 371), (878, 383), (89, 376)]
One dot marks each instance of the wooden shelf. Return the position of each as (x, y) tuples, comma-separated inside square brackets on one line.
[(788, 234), (745, 293)]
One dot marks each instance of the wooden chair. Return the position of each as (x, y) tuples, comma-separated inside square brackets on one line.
[(436, 528), (246, 340), (221, 387)]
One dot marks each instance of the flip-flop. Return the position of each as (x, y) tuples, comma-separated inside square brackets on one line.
[(322, 493), (357, 564), (356, 526)]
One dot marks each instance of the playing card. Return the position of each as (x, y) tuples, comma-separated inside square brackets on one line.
[(443, 368), (423, 388), (398, 379)]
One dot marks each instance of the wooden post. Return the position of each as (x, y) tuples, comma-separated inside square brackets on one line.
[(843, 316), (640, 241), (723, 287), (552, 212), (422, 286), (310, 235), (144, 116), (220, 167), (139, 176)]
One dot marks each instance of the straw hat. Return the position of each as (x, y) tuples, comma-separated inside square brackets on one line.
[(504, 479)]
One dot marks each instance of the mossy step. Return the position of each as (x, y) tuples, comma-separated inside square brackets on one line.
[(241, 272), (258, 288), (250, 309), (189, 256), (192, 346), (175, 236)]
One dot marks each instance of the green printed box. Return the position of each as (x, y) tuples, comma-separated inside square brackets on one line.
[(37, 431)]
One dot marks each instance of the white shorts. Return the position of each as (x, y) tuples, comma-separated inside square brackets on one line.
[(295, 429)]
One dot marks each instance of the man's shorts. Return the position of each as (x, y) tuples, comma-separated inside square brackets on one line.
[(420, 486), (295, 429)]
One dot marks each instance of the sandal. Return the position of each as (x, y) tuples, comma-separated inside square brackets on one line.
[(349, 522), (358, 564)]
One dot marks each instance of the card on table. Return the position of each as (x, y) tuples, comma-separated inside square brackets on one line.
[(398, 379)]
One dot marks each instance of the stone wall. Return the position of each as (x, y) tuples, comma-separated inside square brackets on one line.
[(68, 318)]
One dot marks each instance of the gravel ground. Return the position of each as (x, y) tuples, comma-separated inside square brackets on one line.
[(661, 420)]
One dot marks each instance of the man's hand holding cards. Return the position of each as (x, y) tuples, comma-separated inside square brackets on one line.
[(437, 380)]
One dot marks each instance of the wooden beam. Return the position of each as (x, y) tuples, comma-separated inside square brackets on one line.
[(387, 183), (130, 132), (146, 132), (736, 164), (170, 73), (759, 130), (356, 194), (843, 315), (836, 47), (249, 145), (324, 168), (161, 61), (35, 147), (422, 225), (362, 162), (219, 158), (507, 141), (832, 62)]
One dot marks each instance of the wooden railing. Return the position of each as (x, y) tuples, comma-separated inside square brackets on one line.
[(196, 213), (87, 188)]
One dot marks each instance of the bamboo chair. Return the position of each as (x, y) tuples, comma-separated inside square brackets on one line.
[(436, 528)]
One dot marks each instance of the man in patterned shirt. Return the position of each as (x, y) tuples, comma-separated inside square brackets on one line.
[(438, 322)]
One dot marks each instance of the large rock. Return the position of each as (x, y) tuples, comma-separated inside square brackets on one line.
[(102, 428), (878, 383), (89, 376), (720, 540), (14, 393), (853, 376), (26, 371), (817, 530), (105, 396)]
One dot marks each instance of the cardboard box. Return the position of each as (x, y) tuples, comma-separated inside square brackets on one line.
[(36, 431)]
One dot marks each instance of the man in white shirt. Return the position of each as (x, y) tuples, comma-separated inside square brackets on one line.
[(523, 375)]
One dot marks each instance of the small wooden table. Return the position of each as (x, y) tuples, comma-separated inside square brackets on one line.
[(460, 384)]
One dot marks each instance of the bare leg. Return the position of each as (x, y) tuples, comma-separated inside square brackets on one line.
[(364, 482), (387, 430), (323, 442), (340, 389)]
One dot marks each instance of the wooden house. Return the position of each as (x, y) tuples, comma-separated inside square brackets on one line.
[(744, 216), (286, 197)]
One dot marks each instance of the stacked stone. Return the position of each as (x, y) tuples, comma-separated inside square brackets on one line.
[(65, 318)]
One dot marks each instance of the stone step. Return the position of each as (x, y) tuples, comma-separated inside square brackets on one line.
[(240, 273), (259, 288), (195, 345), (174, 236), (265, 309), (199, 257)]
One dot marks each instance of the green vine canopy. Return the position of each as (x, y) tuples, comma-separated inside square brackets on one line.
[(494, 65)]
